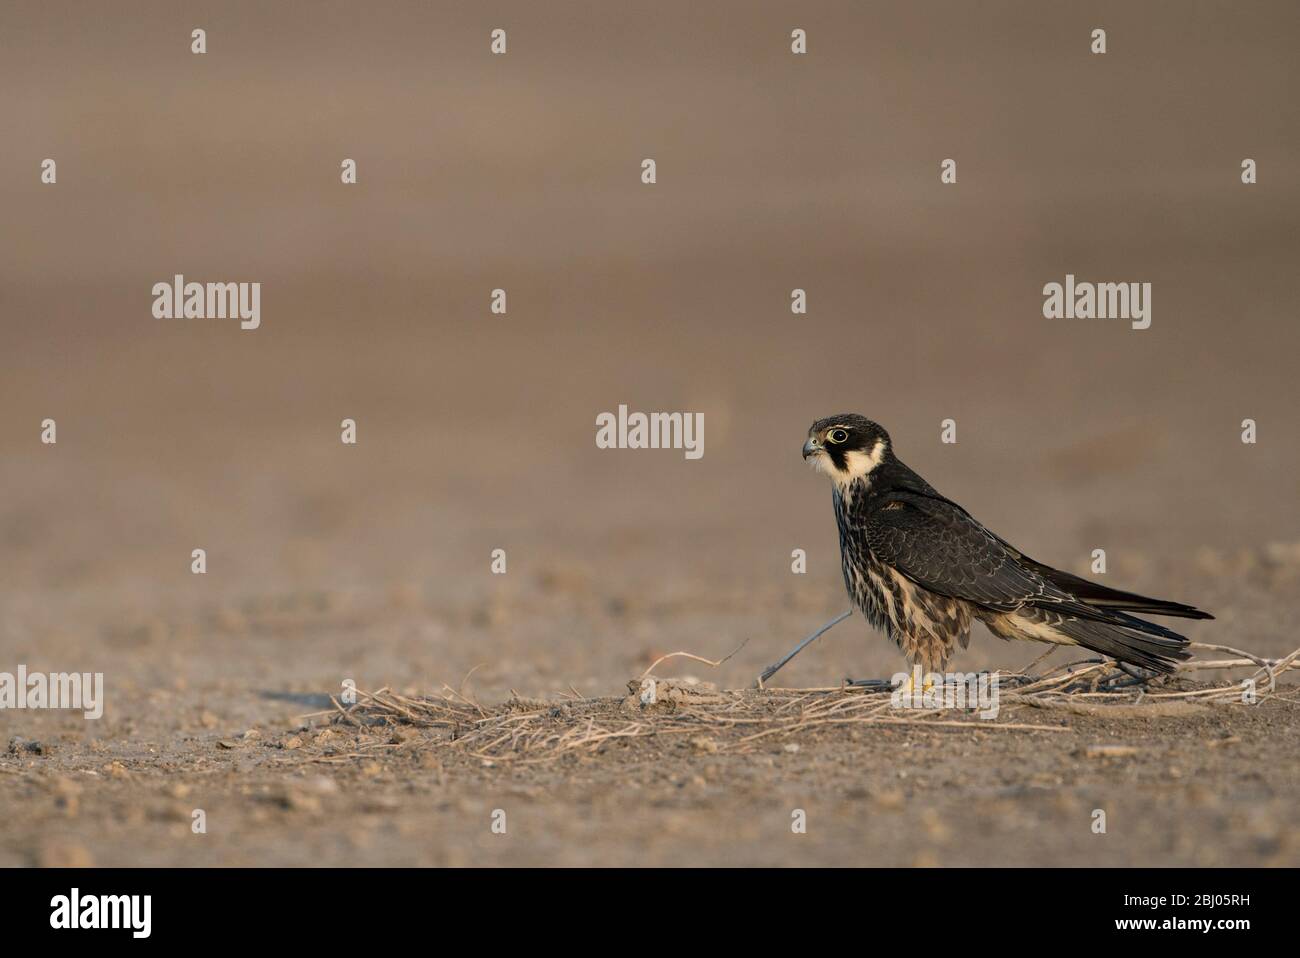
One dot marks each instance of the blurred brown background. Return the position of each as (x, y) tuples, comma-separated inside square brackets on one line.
[(476, 431)]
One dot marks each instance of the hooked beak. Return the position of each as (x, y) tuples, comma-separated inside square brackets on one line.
[(811, 447)]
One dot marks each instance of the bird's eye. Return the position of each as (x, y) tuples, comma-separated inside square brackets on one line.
[(838, 435)]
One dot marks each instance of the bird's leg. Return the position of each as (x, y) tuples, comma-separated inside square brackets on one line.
[(909, 686), (905, 689)]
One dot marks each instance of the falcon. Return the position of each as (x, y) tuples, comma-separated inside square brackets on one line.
[(921, 568)]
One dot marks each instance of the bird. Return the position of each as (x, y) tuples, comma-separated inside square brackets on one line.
[(921, 568)]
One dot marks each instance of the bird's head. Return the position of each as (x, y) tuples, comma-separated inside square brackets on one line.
[(846, 447)]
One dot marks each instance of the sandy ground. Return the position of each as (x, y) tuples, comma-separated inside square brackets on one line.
[(188, 728), (370, 563)]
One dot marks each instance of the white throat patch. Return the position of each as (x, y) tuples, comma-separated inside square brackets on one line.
[(858, 465)]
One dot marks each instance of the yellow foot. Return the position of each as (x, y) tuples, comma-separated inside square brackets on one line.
[(909, 685)]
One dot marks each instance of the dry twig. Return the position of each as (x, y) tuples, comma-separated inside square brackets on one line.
[(739, 720)]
